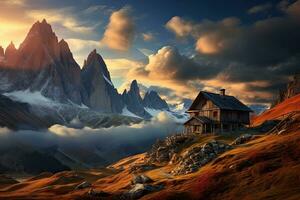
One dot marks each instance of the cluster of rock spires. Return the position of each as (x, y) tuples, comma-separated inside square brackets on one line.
[(292, 89), (44, 64)]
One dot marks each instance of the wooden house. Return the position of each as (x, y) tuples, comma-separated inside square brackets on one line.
[(216, 113)]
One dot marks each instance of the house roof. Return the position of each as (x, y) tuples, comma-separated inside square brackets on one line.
[(224, 102), (202, 119)]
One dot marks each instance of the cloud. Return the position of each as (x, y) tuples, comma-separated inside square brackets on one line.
[(146, 52), (168, 63), (97, 8), (119, 67), (64, 16), (209, 35), (112, 143), (120, 31), (177, 73), (179, 26), (147, 36), (81, 48), (14, 2), (260, 8), (79, 44), (239, 57), (209, 44)]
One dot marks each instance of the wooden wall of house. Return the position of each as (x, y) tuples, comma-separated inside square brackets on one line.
[(208, 109), (235, 116), (194, 126)]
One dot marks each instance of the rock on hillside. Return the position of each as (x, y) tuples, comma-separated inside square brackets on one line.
[(164, 150), (199, 156)]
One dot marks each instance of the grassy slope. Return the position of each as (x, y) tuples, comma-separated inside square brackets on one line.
[(289, 105), (265, 168)]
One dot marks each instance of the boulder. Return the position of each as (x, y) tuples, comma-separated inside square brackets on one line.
[(139, 190), (243, 139), (95, 193), (141, 179), (142, 167)]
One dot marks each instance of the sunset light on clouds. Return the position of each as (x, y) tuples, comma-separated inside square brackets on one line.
[(212, 51)]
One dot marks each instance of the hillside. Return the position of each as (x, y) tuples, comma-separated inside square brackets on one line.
[(290, 105), (267, 167)]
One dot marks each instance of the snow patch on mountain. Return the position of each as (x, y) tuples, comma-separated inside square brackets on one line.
[(27, 96), (107, 80), (126, 112)]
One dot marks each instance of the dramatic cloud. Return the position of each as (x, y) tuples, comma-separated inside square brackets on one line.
[(120, 31), (168, 63), (177, 73), (260, 8), (253, 57)]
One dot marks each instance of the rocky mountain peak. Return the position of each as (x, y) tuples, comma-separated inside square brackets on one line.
[(1, 52), (1, 55), (40, 47), (134, 88), (96, 64), (133, 100), (43, 31), (97, 82), (65, 50), (11, 47), (153, 100), (10, 54)]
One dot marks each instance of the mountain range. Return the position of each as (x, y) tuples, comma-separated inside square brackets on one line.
[(44, 65)]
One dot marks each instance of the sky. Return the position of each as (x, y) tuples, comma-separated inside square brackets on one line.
[(250, 48)]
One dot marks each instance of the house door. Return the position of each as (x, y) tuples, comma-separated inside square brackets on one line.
[(198, 129), (194, 129)]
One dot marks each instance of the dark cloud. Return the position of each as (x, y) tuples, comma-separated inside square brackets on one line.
[(169, 63), (260, 8), (262, 55)]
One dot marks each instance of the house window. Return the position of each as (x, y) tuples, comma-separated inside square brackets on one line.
[(215, 114)]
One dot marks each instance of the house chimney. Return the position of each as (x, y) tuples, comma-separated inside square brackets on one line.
[(222, 92)]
